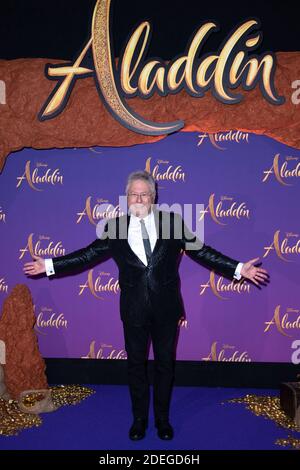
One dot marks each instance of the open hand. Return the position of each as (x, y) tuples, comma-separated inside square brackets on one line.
[(255, 274), (35, 267)]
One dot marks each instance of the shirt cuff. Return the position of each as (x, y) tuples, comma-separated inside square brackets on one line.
[(49, 266), (237, 274)]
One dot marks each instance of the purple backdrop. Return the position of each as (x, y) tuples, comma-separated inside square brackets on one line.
[(78, 316)]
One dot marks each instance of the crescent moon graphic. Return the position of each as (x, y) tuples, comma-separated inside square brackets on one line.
[(106, 83)]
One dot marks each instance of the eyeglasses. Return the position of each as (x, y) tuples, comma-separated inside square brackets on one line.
[(137, 195)]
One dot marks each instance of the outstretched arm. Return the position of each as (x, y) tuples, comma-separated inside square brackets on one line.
[(95, 251), (213, 259), (254, 273)]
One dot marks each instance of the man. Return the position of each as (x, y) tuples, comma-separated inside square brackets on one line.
[(146, 244)]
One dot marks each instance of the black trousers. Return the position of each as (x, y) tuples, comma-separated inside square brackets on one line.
[(164, 340)]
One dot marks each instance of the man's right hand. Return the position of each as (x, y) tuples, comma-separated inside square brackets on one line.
[(35, 267)]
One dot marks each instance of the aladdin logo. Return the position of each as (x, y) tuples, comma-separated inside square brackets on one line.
[(2, 215), (3, 285), (233, 66), (283, 248), (49, 177), (97, 212), (283, 172), (170, 174), (219, 286), (231, 136), (236, 210), (226, 354), (47, 319), (52, 250), (289, 321), (106, 351), (97, 285)]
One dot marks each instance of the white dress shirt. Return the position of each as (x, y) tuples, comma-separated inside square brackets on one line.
[(136, 243), (135, 238)]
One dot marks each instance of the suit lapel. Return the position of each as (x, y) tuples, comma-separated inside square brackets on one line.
[(158, 223), (128, 247)]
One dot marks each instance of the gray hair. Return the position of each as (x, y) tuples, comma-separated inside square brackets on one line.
[(144, 176)]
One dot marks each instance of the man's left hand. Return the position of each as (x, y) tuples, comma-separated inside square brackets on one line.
[(255, 274)]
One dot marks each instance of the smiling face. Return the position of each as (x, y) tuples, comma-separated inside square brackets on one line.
[(139, 198)]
